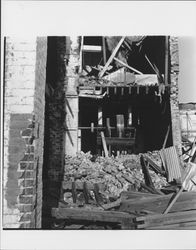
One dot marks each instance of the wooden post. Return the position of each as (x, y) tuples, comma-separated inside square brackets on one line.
[(100, 117), (104, 50), (166, 137), (166, 59), (104, 144), (120, 125), (108, 132), (129, 116)]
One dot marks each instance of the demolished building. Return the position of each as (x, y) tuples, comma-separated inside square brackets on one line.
[(111, 96)]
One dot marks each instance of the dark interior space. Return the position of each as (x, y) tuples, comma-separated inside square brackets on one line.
[(88, 111), (150, 117), (152, 46)]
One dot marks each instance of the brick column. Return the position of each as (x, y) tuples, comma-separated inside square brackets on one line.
[(71, 97), (24, 84), (175, 115)]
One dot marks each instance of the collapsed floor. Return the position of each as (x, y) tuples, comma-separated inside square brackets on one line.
[(125, 192), (128, 191)]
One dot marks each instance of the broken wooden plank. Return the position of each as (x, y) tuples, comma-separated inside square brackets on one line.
[(127, 66), (151, 190), (104, 144), (112, 204), (98, 197), (178, 226), (74, 192), (67, 185), (166, 137), (151, 64), (104, 50), (187, 177), (111, 57), (125, 195), (147, 177), (90, 215), (86, 193), (159, 203), (166, 219), (154, 166)]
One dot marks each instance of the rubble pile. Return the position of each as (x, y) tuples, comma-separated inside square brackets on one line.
[(114, 174)]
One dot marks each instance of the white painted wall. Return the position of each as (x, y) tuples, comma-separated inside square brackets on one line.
[(187, 75)]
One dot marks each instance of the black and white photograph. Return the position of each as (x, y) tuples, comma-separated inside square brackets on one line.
[(98, 128)]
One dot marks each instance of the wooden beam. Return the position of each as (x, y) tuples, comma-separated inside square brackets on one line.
[(166, 137), (90, 215), (154, 166), (120, 125), (166, 219), (151, 190), (166, 59), (127, 195), (86, 193), (146, 173), (112, 204), (74, 192), (127, 66), (104, 50), (111, 57), (158, 203), (92, 48), (187, 177), (116, 141), (104, 144)]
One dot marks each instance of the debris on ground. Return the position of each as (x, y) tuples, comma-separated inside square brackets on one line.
[(125, 192), (115, 174)]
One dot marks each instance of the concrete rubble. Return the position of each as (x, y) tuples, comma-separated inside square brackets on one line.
[(114, 174)]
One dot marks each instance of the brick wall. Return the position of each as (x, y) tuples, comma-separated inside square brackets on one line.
[(71, 97), (55, 109), (174, 103), (24, 83)]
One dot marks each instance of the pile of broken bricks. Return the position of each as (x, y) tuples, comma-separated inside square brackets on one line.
[(124, 192)]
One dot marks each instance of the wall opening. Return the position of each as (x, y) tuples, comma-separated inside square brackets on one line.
[(149, 116)]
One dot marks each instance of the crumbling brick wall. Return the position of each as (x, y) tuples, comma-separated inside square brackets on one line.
[(174, 103), (71, 97), (56, 112), (24, 84)]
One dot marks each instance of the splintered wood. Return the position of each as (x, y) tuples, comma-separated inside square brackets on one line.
[(125, 192)]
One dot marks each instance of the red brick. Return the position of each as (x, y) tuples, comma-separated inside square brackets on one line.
[(24, 208), (26, 165), (28, 190), (24, 199)]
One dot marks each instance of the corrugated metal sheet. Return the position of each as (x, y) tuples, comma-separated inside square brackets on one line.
[(171, 163)]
